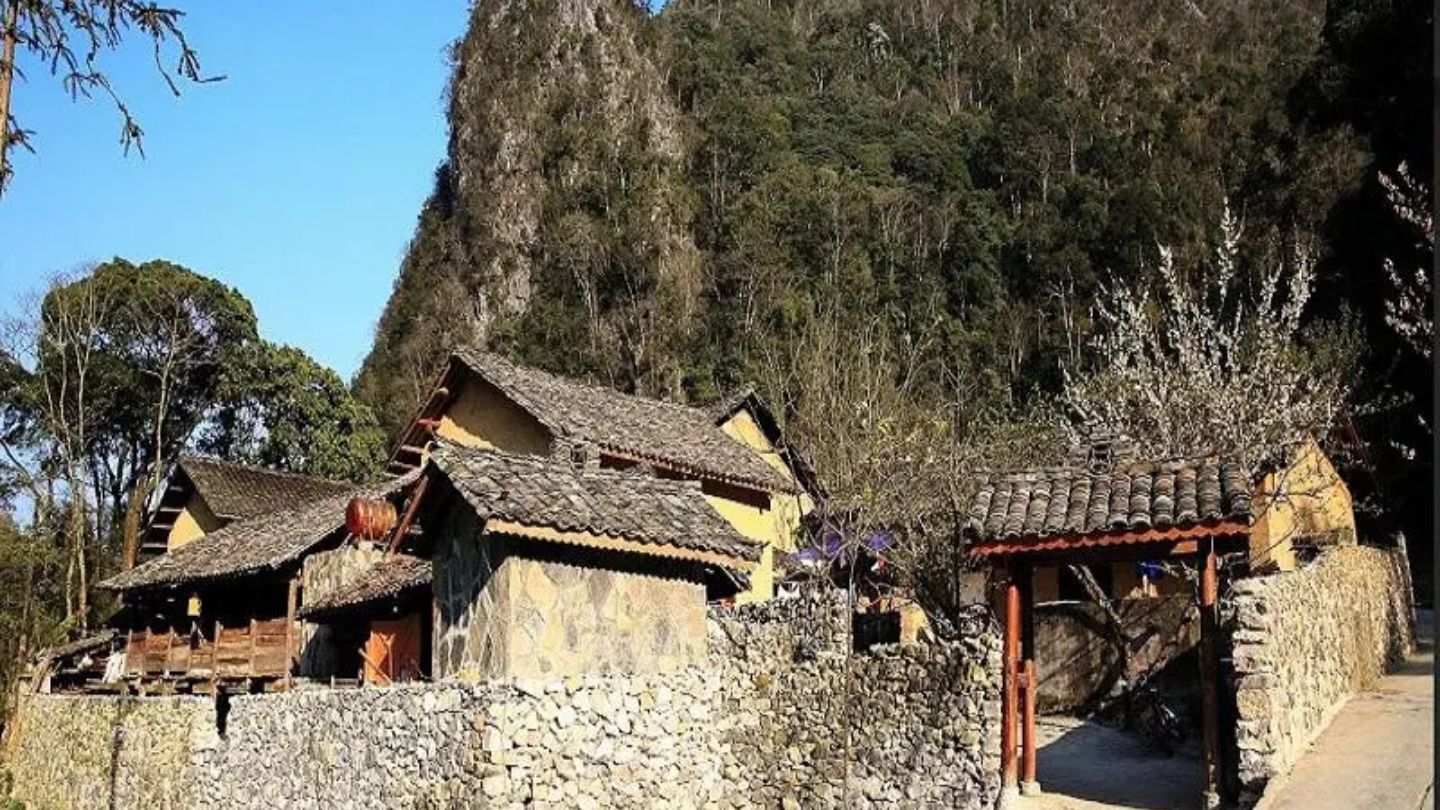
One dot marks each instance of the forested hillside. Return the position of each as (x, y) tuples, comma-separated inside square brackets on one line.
[(668, 203)]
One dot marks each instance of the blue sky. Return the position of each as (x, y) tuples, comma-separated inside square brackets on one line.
[(296, 180)]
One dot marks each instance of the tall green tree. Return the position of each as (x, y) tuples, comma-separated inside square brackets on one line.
[(279, 408)]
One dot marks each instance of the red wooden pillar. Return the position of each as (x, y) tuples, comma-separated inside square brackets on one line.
[(1009, 720), (1029, 785), (1210, 671)]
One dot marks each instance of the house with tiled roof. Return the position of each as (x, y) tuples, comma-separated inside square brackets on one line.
[(734, 451), (202, 494), (509, 564), (219, 607)]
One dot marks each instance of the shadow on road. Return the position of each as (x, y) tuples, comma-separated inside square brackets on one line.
[(1095, 764)]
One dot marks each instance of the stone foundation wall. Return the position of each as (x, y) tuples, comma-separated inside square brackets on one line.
[(100, 753), (1306, 640), (765, 721)]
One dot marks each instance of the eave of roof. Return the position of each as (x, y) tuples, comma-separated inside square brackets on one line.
[(624, 511), (1134, 497), (387, 579), (248, 546)]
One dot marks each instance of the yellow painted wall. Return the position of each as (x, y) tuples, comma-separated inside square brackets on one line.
[(195, 520), (1306, 498), (776, 526), (480, 416)]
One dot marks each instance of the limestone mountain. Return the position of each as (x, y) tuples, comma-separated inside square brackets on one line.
[(560, 217), (672, 202)]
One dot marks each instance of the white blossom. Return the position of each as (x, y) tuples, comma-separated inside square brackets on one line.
[(1408, 309), (1205, 368)]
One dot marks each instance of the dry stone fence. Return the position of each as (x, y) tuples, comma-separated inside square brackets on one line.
[(779, 716), (1306, 640)]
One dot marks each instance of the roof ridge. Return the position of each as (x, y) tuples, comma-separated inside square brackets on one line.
[(485, 354), (191, 458)]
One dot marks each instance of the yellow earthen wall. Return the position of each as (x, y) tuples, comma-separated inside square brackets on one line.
[(480, 416), (776, 526), (195, 520), (1307, 498)]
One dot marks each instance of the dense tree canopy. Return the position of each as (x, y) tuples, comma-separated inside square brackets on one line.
[(973, 173), (109, 377), (279, 408)]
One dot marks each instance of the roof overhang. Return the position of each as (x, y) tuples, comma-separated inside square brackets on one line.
[(613, 543), (1175, 541)]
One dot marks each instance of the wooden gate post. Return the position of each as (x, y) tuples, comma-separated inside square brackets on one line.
[(1009, 720), (1210, 671), (1029, 785)]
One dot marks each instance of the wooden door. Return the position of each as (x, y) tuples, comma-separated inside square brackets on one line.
[(392, 651)]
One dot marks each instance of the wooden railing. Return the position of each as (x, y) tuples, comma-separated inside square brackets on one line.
[(257, 650)]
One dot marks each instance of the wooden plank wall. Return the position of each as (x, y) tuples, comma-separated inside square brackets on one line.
[(259, 649)]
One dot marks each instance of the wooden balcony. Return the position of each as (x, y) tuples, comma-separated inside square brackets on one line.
[(259, 650)]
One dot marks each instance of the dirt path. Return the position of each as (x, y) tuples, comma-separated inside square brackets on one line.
[(1086, 766)]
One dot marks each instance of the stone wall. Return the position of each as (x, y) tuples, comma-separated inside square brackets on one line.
[(322, 574), (763, 723), (507, 607), (101, 753), (918, 725), (1077, 664), (1306, 640)]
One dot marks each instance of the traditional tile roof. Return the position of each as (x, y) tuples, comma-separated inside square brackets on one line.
[(685, 438), (387, 578), (237, 491), (1135, 496), (266, 541), (541, 492)]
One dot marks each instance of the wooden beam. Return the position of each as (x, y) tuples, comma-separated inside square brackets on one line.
[(1028, 783), (1009, 720), (1210, 673), (403, 527), (291, 603)]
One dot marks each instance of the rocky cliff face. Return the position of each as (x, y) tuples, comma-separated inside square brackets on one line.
[(560, 182), (673, 203)]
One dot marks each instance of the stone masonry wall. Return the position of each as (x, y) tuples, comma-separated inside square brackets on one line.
[(100, 753), (763, 724), (920, 723), (1306, 640), (1079, 665)]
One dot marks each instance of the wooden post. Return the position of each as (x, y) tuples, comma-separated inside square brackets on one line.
[(1009, 775), (1029, 785), (290, 606), (1210, 671), (251, 671)]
